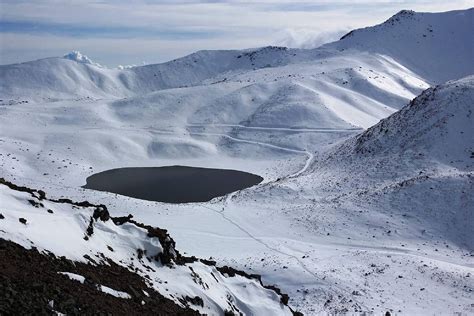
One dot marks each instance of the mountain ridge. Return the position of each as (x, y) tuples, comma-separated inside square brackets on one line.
[(436, 37)]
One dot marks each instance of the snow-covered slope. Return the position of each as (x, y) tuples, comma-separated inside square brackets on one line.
[(75, 75), (437, 46), (419, 161), (88, 234), (385, 217), (58, 78), (195, 68), (437, 125)]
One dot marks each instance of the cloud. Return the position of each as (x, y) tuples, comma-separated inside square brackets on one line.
[(80, 58), (78, 30), (308, 38)]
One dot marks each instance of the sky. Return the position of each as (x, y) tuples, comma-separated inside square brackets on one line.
[(136, 32)]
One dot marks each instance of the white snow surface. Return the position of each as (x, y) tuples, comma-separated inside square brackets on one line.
[(115, 293), (345, 221), (74, 276)]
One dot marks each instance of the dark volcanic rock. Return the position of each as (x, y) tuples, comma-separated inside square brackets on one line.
[(31, 285)]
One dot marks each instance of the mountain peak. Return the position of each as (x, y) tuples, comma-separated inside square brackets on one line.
[(422, 42), (402, 14), (400, 17)]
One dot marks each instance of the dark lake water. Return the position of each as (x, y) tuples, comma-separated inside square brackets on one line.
[(173, 184)]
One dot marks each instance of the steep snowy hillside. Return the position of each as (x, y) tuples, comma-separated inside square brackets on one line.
[(438, 125), (86, 233), (437, 46), (384, 219), (420, 159)]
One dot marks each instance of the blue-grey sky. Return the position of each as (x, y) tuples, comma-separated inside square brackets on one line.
[(113, 32)]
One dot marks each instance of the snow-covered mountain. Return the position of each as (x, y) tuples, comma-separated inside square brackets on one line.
[(362, 78), (77, 75), (436, 46), (345, 221), (418, 162)]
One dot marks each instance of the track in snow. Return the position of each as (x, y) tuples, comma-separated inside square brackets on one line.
[(283, 129)]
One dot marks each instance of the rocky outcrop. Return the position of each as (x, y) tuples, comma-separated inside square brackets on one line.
[(33, 281)]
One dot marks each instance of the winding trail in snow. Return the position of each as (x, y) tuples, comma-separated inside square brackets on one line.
[(300, 130), (309, 155), (283, 129), (240, 140)]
